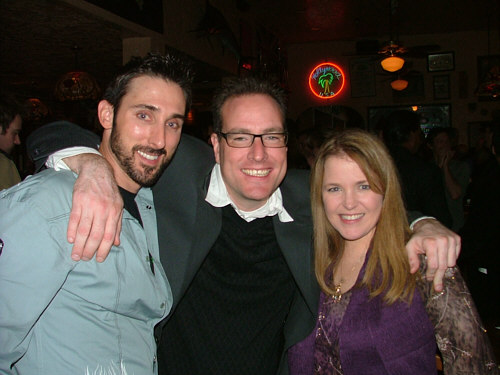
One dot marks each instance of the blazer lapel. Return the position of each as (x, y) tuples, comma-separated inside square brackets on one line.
[(187, 228), (295, 242)]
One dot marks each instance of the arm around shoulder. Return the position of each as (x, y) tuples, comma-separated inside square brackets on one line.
[(460, 335), (440, 245), (95, 220)]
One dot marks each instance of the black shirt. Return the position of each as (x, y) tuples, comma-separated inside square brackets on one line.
[(230, 321)]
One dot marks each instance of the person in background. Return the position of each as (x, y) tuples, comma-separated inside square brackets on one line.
[(310, 140), (455, 173), (10, 127), (59, 316), (374, 316), (37, 141), (481, 260), (235, 239), (421, 181)]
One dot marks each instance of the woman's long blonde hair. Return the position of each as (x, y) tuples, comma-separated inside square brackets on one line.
[(388, 269)]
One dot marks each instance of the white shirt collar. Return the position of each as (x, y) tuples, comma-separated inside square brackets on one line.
[(218, 196)]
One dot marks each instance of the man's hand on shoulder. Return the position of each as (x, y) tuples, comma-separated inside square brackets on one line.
[(440, 245), (95, 219)]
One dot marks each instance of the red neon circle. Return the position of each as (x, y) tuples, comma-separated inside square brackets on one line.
[(311, 80)]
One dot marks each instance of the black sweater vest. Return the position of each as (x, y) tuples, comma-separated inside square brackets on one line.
[(230, 321)]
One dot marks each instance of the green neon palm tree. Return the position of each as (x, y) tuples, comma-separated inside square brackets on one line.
[(325, 81)]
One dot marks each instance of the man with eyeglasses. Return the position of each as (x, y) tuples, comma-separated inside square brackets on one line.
[(235, 240)]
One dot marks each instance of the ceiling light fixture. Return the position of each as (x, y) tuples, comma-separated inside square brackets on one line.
[(36, 109), (76, 85), (392, 63), (393, 49), (399, 84)]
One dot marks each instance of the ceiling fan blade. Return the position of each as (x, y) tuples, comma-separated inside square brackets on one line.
[(422, 50)]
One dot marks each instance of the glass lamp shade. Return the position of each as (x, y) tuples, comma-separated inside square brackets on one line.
[(392, 63), (399, 84), (77, 86), (36, 109)]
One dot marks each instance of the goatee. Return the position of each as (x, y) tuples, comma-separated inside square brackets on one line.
[(148, 176)]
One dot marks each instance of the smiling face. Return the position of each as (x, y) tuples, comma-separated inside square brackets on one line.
[(251, 174), (350, 204), (141, 138), (11, 136)]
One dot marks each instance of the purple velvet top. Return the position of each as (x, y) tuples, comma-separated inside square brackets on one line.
[(360, 335)]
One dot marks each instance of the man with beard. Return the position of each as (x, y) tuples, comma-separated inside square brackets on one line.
[(59, 316)]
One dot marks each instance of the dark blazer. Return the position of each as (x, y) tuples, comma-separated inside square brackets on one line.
[(188, 227)]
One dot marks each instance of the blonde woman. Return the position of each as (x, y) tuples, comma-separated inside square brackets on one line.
[(374, 316)]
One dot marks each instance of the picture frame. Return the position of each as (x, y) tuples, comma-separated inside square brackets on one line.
[(488, 67), (362, 77), (439, 62), (441, 87)]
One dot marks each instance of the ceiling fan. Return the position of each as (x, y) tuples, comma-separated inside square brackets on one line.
[(376, 49), (393, 51)]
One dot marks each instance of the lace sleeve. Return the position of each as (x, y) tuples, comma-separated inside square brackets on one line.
[(460, 335)]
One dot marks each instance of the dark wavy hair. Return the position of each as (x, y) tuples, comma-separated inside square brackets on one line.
[(9, 109), (171, 67)]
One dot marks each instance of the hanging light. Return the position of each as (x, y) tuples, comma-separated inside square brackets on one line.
[(36, 109), (393, 49), (392, 63), (76, 85), (399, 84)]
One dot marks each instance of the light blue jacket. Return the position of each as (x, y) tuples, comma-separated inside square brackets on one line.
[(58, 316)]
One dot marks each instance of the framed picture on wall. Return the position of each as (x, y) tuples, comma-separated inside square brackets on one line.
[(441, 87), (362, 77), (488, 78), (438, 62)]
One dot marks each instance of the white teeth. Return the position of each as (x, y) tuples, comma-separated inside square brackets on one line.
[(147, 156), (256, 172), (351, 217)]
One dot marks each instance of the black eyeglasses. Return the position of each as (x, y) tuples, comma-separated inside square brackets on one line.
[(242, 140)]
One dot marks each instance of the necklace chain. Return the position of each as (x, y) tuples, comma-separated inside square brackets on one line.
[(337, 288)]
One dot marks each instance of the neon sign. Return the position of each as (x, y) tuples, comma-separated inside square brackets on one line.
[(326, 80)]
